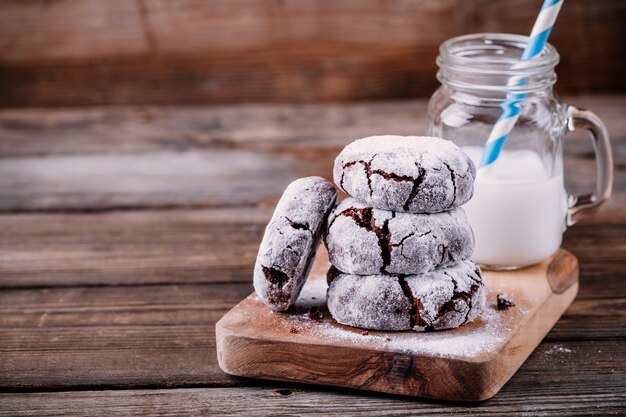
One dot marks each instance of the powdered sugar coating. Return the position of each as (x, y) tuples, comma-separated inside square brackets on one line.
[(442, 299), (290, 241), (416, 174), (364, 240), (449, 297), (370, 302)]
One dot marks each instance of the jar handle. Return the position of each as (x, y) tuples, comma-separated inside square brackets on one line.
[(579, 205)]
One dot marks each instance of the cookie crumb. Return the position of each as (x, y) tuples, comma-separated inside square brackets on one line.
[(315, 314), (365, 333), (294, 330), (388, 339), (504, 303)]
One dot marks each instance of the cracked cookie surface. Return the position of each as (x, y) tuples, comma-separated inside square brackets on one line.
[(416, 174), (364, 240), (442, 299), (291, 239)]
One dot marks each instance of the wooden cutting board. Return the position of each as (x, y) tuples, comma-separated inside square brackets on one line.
[(470, 363)]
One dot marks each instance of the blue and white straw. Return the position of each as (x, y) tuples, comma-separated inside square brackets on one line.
[(511, 106)]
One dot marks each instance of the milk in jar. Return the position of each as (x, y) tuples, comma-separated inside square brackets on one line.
[(518, 211)]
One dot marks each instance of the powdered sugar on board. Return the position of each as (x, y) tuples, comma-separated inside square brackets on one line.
[(469, 363), (310, 321)]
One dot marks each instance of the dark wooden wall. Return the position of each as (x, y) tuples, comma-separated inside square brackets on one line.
[(73, 52)]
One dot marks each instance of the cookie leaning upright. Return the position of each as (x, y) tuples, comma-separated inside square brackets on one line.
[(290, 241), (416, 174)]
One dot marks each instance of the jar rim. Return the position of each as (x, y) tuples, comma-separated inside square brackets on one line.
[(463, 53)]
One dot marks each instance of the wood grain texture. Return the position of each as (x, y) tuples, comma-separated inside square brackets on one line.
[(132, 247), (199, 178), (107, 159), (175, 179), (113, 336), (102, 130), (517, 398), (117, 129), (63, 327), (209, 158), (469, 363), (559, 272), (213, 245), (163, 335), (71, 52)]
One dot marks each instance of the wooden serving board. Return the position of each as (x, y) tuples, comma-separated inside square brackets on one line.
[(470, 363)]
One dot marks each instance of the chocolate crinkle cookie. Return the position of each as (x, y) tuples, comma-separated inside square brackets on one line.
[(442, 299), (365, 240), (291, 240), (416, 174)]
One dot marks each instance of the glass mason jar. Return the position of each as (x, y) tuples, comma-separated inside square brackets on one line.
[(520, 208)]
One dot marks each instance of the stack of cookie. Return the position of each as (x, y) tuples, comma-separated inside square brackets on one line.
[(400, 245)]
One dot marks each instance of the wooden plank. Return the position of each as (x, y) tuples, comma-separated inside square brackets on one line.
[(603, 315), (469, 363), (216, 245), (37, 132), (154, 305), (530, 392), (189, 305), (95, 30), (188, 178), (169, 179), (199, 178), (591, 241), (119, 129), (128, 248), (112, 336), (126, 339), (163, 335), (70, 52)]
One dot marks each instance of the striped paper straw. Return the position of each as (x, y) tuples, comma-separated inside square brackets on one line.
[(511, 106)]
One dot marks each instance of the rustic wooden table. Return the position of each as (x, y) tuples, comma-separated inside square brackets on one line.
[(126, 233)]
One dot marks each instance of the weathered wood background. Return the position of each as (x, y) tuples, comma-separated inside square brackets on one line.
[(127, 232), (86, 52)]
